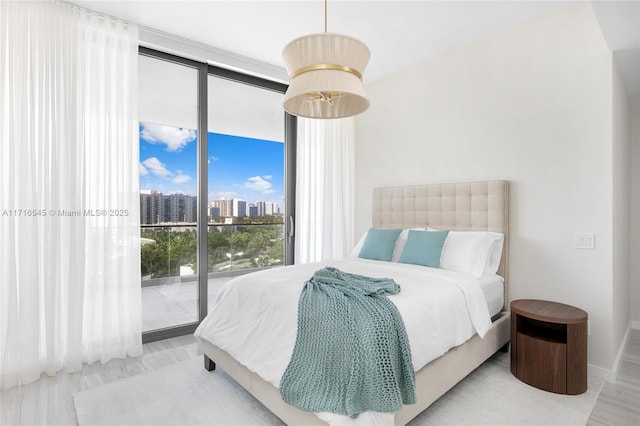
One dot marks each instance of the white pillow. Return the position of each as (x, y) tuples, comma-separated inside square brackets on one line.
[(495, 252), (472, 251), (356, 250)]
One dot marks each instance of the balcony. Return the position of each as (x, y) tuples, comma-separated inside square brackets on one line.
[(169, 265)]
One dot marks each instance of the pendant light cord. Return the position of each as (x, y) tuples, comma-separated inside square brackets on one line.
[(325, 16)]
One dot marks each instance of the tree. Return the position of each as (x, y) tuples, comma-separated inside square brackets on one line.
[(228, 246)]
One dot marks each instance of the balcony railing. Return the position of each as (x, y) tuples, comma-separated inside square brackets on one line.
[(169, 252)]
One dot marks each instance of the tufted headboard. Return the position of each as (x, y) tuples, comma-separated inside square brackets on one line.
[(473, 206)]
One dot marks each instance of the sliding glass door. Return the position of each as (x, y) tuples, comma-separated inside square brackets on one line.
[(246, 170), (217, 161), (168, 114)]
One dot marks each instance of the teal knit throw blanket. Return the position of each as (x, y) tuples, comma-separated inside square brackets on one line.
[(351, 353)]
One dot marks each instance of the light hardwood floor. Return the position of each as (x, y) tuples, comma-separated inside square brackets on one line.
[(619, 403), (49, 401)]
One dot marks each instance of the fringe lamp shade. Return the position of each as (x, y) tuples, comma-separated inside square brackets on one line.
[(325, 72)]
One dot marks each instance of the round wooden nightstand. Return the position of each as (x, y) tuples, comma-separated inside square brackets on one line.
[(549, 345)]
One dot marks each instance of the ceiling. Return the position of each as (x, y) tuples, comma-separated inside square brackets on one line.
[(399, 33)]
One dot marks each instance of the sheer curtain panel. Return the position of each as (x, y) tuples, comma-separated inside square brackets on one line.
[(325, 185), (69, 203)]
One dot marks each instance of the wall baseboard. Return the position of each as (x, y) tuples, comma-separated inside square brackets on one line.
[(611, 375), (602, 373)]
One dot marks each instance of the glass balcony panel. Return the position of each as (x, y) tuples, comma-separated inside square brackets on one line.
[(245, 247), (169, 265)]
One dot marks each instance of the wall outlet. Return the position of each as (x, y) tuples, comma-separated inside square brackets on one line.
[(586, 241)]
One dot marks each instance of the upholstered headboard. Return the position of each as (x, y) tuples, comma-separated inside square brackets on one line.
[(473, 206)]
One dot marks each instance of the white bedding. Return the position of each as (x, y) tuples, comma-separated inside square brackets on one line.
[(254, 317), (493, 288)]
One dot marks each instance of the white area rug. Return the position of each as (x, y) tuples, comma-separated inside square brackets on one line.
[(186, 394), (492, 396), (180, 394)]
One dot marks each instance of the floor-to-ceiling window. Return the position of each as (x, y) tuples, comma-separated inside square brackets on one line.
[(168, 114), (245, 177), (213, 202)]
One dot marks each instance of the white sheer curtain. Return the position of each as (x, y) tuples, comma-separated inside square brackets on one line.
[(69, 203), (325, 189)]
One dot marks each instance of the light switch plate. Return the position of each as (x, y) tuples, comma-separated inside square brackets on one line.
[(586, 241)]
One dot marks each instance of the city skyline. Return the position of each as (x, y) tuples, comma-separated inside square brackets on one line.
[(210, 204), (238, 167), (159, 208)]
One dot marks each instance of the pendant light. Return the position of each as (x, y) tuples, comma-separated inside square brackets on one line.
[(325, 72)]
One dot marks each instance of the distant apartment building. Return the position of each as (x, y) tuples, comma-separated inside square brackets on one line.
[(149, 201), (239, 208), (266, 208), (229, 208), (224, 208), (182, 208), (156, 207), (260, 206)]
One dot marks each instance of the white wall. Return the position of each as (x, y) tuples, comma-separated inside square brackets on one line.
[(532, 105), (621, 136), (635, 215)]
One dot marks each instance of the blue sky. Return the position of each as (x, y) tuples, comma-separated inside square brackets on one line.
[(244, 168)]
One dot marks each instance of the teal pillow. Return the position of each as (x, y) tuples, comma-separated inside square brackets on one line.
[(379, 244), (424, 248)]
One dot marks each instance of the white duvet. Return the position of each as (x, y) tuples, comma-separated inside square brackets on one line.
[(254, 317)]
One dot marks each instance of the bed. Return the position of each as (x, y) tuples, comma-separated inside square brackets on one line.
[(476, 206)]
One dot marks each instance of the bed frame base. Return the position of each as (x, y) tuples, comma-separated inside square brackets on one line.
[(473, 206), (432, 381), (209, 365)]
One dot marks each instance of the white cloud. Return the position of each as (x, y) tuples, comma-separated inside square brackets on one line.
[(175, 138), (259, 183), (143, 170), (154, 165), (181, 179), (267, 177), (212, 158)]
